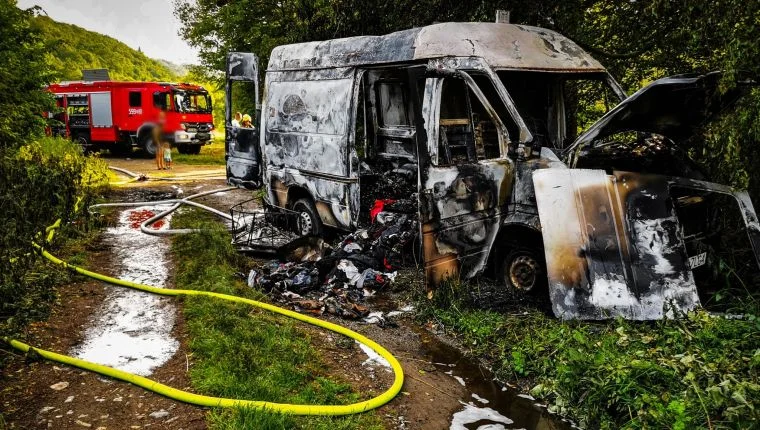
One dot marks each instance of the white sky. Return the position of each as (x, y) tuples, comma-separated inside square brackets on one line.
[(147, 24)]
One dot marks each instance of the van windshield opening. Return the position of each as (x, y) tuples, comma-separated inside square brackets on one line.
[(192, 101), (559, 107)]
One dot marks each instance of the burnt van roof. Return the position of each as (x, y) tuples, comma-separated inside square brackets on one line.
[(503, 46)]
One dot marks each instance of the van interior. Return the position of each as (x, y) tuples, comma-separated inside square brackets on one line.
[(385, 144)]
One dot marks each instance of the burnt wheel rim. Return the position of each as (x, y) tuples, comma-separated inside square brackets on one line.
[(305, 224), (523, 272)]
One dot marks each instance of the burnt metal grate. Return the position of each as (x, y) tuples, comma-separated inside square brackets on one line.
[(257, 229)]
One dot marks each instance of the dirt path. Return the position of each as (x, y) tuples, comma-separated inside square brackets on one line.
[(442, 388), (41, 394)]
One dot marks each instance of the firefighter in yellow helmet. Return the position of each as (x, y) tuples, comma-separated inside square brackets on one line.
[(246, 122)]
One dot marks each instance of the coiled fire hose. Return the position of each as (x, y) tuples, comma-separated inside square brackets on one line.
[(198, 399)]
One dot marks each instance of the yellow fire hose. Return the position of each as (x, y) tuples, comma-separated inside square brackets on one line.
[(201, 400)]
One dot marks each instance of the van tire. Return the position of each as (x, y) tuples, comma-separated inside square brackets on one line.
[(308, 223), (523, 271)]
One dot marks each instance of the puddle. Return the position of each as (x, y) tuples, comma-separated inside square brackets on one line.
[(132, 330), (488, 406)]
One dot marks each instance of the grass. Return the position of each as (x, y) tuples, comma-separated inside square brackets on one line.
[(246, 353), (700, 371), (212, 154)]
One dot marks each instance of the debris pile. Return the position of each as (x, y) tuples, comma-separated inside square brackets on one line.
[(317, 278)]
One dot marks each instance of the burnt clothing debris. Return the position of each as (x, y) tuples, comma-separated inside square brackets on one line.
[(340, 280)]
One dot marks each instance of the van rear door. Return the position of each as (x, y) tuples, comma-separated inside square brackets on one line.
[(242, 152)]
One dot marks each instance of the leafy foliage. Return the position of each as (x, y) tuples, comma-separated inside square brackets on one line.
[(23, 73), (639, 41), (69, 49), (41, 182)]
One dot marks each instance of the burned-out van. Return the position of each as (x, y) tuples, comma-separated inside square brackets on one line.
[(516, 150)]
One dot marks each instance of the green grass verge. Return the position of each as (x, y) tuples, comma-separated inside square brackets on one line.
[(246, 353), (697, 372), (212, 154)]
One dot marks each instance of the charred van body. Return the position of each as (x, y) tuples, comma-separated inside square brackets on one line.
[(515, 149)]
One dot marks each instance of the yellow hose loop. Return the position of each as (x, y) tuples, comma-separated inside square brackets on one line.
[(201, 400)]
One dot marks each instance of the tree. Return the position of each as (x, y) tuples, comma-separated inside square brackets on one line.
[(23, 74), (639, 41)]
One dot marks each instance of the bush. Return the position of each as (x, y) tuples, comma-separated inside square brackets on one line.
[(39, 183)]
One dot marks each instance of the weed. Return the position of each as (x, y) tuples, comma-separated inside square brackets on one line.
[(246, 353)]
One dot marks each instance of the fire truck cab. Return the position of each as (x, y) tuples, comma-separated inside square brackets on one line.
[(119, 115)]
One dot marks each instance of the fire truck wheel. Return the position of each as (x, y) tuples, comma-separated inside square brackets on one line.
[(146, 142)]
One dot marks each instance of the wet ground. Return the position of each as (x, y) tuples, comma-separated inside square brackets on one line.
[(144, 334)]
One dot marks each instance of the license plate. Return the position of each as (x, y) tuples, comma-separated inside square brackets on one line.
[(697, 260)]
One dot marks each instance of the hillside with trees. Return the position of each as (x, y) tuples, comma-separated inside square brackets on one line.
[(69, 49)]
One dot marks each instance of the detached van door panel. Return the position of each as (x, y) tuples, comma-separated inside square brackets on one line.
[(242, 153), (466, 185)]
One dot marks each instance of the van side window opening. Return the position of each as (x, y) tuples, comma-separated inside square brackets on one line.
[(135, 99), (468, 133)]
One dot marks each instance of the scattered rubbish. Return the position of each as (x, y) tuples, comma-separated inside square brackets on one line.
[(316, 278), (69, 399), (59, 386), (472, 414)]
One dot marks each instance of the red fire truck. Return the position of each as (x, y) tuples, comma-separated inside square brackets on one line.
[(119, 115)]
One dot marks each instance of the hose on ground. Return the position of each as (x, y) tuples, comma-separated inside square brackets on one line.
[(134, 177), (202, 400), (145, 225)]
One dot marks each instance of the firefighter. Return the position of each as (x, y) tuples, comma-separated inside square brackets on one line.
[(158, 140), (247, 121)]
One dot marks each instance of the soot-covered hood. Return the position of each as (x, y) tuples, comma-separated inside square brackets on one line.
[(675, 107)]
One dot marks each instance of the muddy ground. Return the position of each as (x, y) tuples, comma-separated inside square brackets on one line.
[(443, 389)]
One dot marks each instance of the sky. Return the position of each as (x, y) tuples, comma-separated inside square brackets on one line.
[(146, 24)]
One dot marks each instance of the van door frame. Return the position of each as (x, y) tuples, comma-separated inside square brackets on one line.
[(244, 169), (444, 258)]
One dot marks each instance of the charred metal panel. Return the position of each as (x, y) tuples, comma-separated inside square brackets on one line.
[(461, 214), (614, 244), (307, 125), (331, 194), (503, 46)]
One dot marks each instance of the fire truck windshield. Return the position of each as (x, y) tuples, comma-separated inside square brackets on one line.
[(192, 101)]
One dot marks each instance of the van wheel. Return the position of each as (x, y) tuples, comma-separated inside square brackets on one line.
[(147, 144), (308, 222), (523, 271)]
